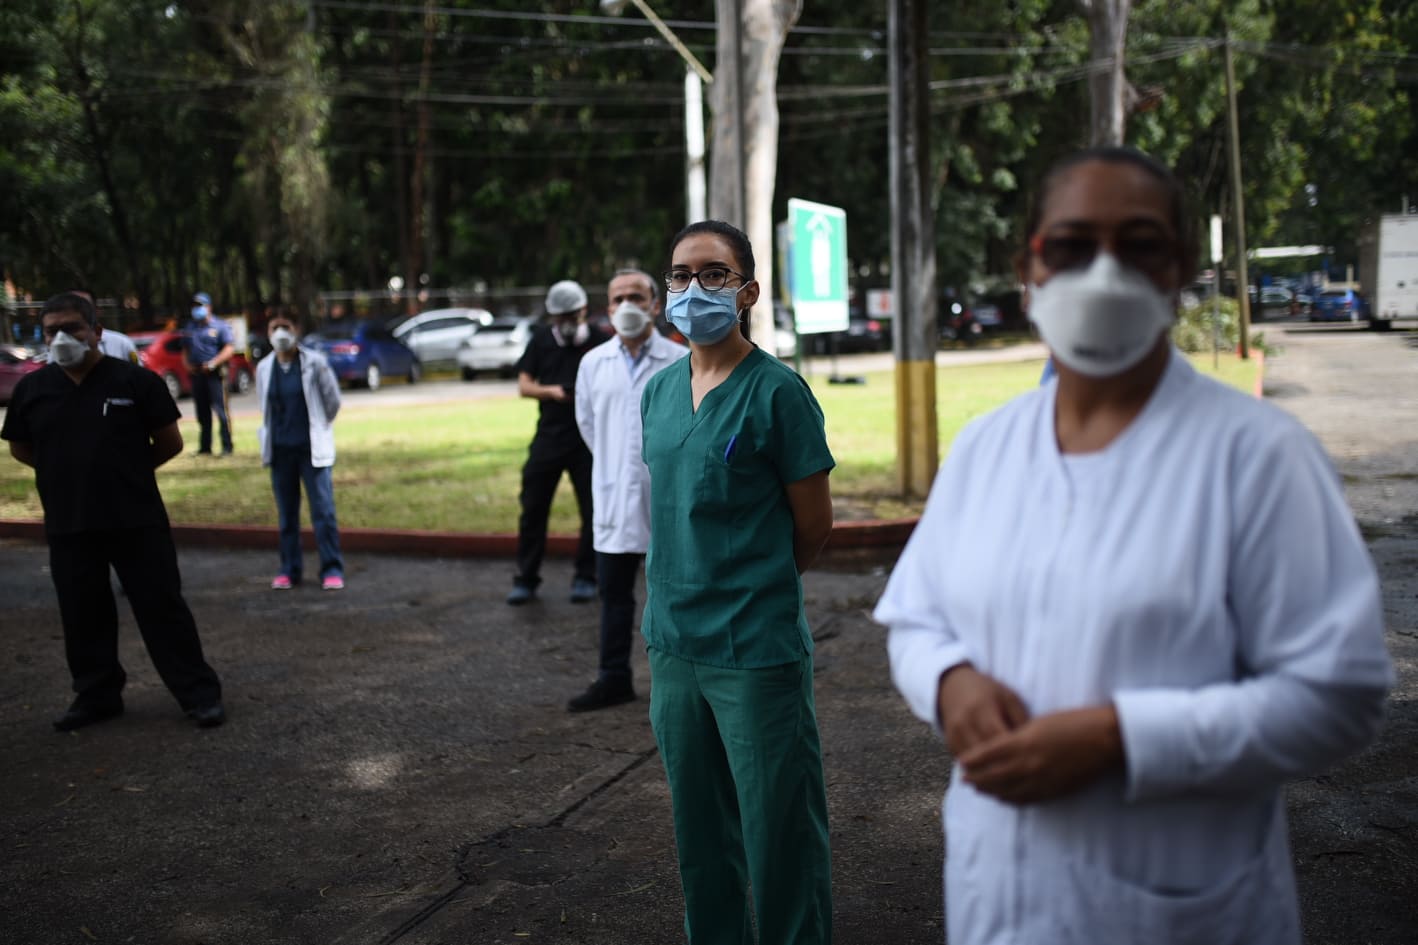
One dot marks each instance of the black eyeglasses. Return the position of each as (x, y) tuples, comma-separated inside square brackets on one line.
[(711, 279), (1145, 252)]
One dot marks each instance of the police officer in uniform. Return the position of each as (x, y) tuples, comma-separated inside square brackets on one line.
[(209, 346), (95, 428)]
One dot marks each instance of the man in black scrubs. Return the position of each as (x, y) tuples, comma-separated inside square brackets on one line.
[(95, 429), (547, 373)]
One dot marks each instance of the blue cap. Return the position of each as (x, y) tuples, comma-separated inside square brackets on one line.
[(202, 298)]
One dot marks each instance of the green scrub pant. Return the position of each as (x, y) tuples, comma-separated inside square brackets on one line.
[(742, 755)]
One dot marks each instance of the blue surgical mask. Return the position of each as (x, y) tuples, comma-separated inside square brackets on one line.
[(199, 312), (704, 317)]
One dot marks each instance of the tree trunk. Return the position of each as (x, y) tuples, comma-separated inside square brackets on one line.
[(401, 205), (417, 256), (250, 268), (760, 26), (1107, 82), (118, 214)]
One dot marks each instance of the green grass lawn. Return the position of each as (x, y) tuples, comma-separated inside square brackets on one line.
[(457, 467)]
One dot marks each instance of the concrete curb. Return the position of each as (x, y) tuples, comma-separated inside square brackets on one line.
[(846, 536)]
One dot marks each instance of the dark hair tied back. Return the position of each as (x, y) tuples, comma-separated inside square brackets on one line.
[(736, 238), (1171, 187)]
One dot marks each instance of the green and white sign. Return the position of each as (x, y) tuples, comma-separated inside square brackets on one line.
[(817, 270)]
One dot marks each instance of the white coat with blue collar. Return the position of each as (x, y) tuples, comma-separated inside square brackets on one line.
[(322, 402)]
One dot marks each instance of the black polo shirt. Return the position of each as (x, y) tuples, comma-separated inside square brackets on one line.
[(92, 444), (549, 362)]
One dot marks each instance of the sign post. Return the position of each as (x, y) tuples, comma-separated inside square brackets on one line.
[(817, 269), (1216, 291)]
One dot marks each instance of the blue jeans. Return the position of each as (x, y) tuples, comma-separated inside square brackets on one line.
[(290, 466), (617, 587)]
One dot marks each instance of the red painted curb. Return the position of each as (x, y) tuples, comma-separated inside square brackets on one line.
[(845, 536)]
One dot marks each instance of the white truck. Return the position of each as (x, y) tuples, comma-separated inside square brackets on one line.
[(1388, 268)]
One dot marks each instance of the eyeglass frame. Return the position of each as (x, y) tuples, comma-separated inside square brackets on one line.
[(669, 275), (1167, 252)]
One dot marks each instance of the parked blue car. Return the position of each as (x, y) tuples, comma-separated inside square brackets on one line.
[(1340, 305), (364, 353)]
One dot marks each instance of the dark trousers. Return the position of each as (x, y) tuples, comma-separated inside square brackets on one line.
[(540, 477), (146, 563), (208, 395), (617, 575)]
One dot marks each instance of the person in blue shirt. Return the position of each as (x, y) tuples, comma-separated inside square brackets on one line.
[(299, 398), (209, 346)]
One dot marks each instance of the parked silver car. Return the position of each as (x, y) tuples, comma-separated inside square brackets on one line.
[(496, 347), (437, 335)]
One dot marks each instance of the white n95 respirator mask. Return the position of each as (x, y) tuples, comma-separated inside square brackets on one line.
[(1102, 320), (67, 351), (283, 340), (629, 320)]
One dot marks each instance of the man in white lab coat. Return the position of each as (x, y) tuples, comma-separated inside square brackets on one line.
[(609, 383)]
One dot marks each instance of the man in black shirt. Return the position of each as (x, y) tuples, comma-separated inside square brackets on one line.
[(547, 373), (94, 429)]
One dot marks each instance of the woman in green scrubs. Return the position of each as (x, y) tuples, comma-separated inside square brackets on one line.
[(740, 506)]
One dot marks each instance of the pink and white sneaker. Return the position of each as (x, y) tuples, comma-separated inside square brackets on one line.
[(332, 582), (281, 582)]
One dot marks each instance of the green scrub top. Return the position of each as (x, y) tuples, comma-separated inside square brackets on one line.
[(722, 587)]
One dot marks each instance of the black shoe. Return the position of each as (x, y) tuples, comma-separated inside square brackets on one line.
[(602, 695), (582, 591), (87, 713), (519, 595), (208, 716)]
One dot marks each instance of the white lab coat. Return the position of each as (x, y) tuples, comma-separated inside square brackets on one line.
[(1204, 574), (115, 344), (322, 402), (608, 414)]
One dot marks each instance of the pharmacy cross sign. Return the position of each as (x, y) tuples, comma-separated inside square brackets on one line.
[(817, 266)]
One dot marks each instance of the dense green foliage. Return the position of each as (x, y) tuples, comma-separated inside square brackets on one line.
[(270, 151)]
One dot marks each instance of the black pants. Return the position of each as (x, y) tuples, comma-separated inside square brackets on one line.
[(540, 477), (146, 562), (617, 587), (209, 394)]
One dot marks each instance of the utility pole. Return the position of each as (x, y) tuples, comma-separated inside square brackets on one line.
[(913, 285), (731, 203), (696, 76), (1238, 201)]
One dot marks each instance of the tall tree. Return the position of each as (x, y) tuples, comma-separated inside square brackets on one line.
[(745, 96), (1107, 79)]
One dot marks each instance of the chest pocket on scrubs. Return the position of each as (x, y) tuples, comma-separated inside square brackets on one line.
[(731, 472), (122, 421)]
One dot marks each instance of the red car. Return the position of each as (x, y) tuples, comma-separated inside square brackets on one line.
[(15, 363), (161, 352)]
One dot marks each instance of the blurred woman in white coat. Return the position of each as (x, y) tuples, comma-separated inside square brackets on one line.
[(1136, 604)]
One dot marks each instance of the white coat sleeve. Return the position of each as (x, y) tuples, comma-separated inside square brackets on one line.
[(585, 404), (921, 642), (1312, 668), (329, 390)]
